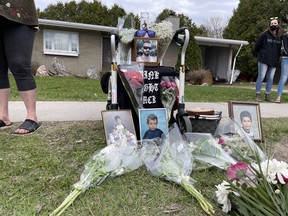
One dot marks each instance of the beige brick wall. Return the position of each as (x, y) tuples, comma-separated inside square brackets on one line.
[(90, 52)]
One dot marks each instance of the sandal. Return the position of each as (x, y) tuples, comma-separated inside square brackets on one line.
[(4, 126), (28, 125)]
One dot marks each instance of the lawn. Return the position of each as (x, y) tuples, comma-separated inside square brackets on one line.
[(80, 89), (39, 170)]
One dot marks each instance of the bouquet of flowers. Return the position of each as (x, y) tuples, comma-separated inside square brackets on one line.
[(164, 32), (236, 143), (126, 31), (206, 150), (255, 189), (172, 161), (169, 92), (111, 161)]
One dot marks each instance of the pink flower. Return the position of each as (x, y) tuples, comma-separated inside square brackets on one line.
[(238, 171), (221, 140)]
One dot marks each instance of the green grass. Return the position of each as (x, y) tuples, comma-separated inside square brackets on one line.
[(79, 89), (38, 171)]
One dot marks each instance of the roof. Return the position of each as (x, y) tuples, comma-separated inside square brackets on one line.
[(219, 42), (201, 40), (75, 25)]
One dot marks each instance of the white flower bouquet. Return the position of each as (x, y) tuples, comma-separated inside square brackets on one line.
[(164, 32), (126, 31), (255, 189), (173, 162), (111, 161)]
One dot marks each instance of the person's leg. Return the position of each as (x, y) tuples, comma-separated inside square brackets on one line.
[(4, 84), (19, 46), (283, 78), (262, 69), (269, 82)]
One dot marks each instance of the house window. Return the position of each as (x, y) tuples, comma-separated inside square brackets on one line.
[(61, 42)]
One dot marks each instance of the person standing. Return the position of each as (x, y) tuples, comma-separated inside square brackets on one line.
[(268, 50), (284, 68), (18, 25)]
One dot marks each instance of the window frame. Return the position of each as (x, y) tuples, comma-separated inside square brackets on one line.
[(64, 52)]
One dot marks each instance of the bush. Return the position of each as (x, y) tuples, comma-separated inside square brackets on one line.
[(198, 77)]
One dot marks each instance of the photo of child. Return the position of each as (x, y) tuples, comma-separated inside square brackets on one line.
[(153, 124), (246, 122), (153, 131), (119, 127)]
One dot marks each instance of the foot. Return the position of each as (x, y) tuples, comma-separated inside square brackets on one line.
[(27, 127), (278, 99), (5, 124)]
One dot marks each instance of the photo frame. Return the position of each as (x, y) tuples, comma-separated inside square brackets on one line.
[(146, 45), (118, 126), (146, 115), (242, 113)]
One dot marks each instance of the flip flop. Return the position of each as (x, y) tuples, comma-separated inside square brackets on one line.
[(29, 125), (4, 126)]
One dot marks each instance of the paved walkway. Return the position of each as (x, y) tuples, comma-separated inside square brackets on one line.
[(80, 111)]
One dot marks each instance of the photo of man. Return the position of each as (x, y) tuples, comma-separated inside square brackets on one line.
[(146, 51)]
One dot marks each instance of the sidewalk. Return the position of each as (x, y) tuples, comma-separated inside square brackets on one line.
[(81, 111)]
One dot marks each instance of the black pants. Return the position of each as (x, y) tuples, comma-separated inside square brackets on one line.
[(16, 45)]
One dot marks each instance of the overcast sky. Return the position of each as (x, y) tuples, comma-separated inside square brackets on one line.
[(197, 10)]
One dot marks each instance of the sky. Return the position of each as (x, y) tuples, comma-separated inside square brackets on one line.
[(197, 10)]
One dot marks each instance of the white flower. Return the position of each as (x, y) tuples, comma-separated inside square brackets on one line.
[(222, 193), (274, 170)]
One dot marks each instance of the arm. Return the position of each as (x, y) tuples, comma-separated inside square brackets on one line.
[(285, 44), (259, 44)]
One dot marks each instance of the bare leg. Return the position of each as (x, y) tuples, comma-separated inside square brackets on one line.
[(29, 99), (4, 97)]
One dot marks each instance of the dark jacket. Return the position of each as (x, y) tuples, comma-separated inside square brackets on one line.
[(268, 49), (20, 11), (151, 134), (285, 45)]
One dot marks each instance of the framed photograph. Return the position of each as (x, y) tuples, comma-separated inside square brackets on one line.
[(145, 50), (248, 116), (153, 123), (118, 126)]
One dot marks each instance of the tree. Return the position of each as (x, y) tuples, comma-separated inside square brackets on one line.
[(249, 20), (214, 26)]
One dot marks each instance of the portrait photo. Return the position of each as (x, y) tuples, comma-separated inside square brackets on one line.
[(248, 117), (118, 126), (153, 123), (145, 50)]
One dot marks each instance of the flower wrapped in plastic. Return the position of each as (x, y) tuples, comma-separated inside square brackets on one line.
[(259, 188), (235, 142), (169, 92), (173, 162), (206, 150), (164, 32), (133, 74), (111, 161), (126, 31)]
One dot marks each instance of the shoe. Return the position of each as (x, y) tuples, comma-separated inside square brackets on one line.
[(267, 97), (29, 125), (4, 126), (278, 99), (258, 97)]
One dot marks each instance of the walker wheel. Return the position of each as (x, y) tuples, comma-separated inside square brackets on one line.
[(184, 123)]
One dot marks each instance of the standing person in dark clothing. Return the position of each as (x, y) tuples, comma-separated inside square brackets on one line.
[(18, 25), (284, 68), (268, 50)]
